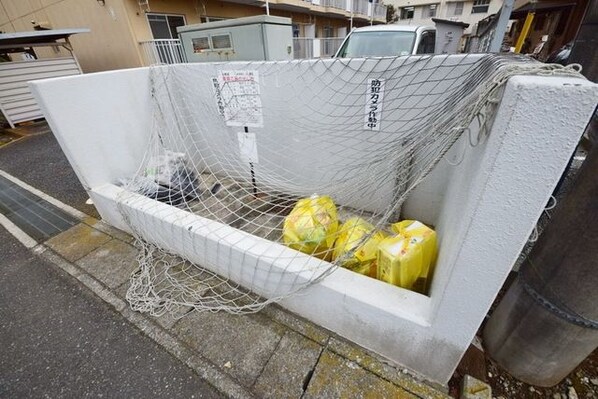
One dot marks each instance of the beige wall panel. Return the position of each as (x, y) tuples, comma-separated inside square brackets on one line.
[(109, 45), (3, 15), (18, 8)]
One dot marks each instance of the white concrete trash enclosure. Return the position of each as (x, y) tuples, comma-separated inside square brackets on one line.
[(311, 134)]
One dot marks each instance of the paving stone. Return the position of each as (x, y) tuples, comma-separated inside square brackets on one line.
[(337, 377), (289, 367), (246, 341), (77, 242), (472, 388), (106, 228), (112, 263), (393, 374), (296, 323), (169, 319)]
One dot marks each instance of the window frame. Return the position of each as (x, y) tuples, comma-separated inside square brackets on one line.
[(480, 6), (408, 9), (462, 4), (429, 10), (148, 14)]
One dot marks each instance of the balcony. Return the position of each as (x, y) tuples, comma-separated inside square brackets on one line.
[(378, 11), (163, 51)]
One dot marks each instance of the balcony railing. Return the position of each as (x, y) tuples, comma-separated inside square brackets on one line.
[(360, 7), (163, 51), (340, 4), (379, 11)]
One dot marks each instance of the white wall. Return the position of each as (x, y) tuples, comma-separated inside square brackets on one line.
[(484, 208)]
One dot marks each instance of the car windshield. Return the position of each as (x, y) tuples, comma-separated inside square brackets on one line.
[(378, 44)]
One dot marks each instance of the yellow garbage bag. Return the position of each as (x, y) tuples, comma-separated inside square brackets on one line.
[(399, 261), (426, 237), (311, 226), (363, 257), (407, 258)]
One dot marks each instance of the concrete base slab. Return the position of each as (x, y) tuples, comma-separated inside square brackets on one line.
[(106, 228), (112, 263), (289, 369), (337, 377), (383, 370), (246, 341), (296, 323), (77, 242)]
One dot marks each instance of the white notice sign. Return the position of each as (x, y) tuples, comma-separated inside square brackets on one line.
[(373, 104), (248, 147), (238, 98)]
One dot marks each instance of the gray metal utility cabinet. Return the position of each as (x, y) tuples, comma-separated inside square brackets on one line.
[(259, 38)]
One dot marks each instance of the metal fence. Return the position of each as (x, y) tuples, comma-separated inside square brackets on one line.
[(360, 7), (378, 11), (340, 4), (303, 47), (329, 46), (163, 51)]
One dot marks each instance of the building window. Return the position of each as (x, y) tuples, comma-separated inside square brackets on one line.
[(407, 12), (429, 11), (163, 26), (327, 31), (455, 9), (480, 6)]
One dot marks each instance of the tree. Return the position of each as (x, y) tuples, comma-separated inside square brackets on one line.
[(391, 14)]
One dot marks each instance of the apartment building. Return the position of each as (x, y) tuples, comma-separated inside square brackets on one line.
[(127, 33), (421, 12)]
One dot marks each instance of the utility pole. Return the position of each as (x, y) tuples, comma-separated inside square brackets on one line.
[(547, 322), (501, 26)]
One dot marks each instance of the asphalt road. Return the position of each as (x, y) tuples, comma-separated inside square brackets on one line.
[(40, 162), (57, 339)]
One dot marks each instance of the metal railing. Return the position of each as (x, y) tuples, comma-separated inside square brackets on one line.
[(340, 4), (330, 45), (162, 51), (360, 7), (379, 11), (309, 47), (303, 47)]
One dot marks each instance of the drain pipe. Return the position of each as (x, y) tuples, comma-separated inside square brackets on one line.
[(547, 323)]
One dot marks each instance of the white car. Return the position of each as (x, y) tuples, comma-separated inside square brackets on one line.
[(388, 40)]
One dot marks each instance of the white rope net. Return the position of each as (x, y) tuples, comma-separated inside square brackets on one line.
[(233, 147)]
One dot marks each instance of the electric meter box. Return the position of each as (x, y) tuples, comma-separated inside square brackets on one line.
[(259, 38)]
